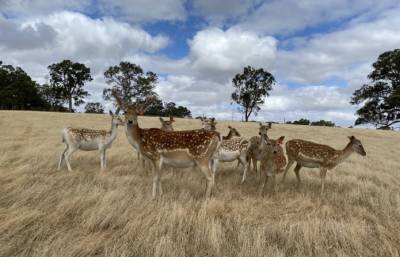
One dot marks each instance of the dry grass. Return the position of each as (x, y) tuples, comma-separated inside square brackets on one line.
[(87, 213)]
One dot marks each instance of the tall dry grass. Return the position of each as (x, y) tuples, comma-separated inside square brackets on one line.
[(44, 212)]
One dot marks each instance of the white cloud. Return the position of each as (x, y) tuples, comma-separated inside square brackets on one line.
[(221, 54), (15, 36), (144, 10), (286, 16), (337, 54), (217, 12), (29, 8)]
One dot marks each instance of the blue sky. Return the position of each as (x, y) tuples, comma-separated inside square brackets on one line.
[(318, 51)]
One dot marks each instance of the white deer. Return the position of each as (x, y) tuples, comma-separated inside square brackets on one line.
[(178, 149), (89, 140)]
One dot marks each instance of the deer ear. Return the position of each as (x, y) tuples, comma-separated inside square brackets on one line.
[(352, 138), (280, 140), (171, 118), (110, 112), (269, 124), (161, 119), (229, 127), (117, 111)]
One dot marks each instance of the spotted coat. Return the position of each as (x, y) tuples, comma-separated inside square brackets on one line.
[(195, 142)]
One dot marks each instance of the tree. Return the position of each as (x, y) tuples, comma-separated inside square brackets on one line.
[(18, 91), (94, 107), (251, 88), (129, 81), (170, 109), (53, 96), (69, 79), (156, 108), (302, 121), (380, 99), (325, 123)]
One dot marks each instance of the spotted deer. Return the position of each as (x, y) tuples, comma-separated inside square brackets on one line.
[(208, 124), (272, 159), (234, 148), (312, 155), (178, 149), (166, 125), (89, 140)]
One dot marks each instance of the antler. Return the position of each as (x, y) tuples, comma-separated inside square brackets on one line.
[(142, 107)]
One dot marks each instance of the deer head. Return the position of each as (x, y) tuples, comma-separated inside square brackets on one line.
[(233, 132), (131, 111), (269, 147), (116, 119), (357, 146), (263, 130)]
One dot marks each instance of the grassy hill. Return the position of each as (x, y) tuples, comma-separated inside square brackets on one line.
[(86, 212)]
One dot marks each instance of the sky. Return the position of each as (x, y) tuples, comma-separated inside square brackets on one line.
[(319, 52)]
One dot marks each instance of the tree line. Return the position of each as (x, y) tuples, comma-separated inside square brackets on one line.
[(378, 101), (66, 89)]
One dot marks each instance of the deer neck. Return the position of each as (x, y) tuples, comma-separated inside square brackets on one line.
[(132, 132), (343, 154), (229, 136), (112, 132)]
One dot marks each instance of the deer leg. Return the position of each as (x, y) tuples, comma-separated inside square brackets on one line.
[(68, 156), (237, 165), (323, 175), (62, 157), (242, 160), (290, 163), (254, 160), (156, 169), (101, 151), (263, 184), (297, 171), (208, 173)]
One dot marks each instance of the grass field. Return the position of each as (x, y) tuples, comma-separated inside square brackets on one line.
[(86, 212)]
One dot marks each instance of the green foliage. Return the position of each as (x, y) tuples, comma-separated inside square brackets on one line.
[(18, 91), (251, 88), (380, 99), (170, 109), (95, 107), (67, 80), (302, 121), (157, 108), (325, 123), (130, 82)]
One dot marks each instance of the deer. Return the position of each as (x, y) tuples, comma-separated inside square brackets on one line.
[(312, 155), (178, 149), (272, 159), (166, 125), (89, 140), (208, 124), (234, 147), (254, 145)]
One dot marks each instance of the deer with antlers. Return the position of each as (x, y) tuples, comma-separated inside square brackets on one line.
[(178, 149), (312, 155), (89, 140)]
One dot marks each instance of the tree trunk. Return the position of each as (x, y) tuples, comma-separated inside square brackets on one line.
[(70, 104)]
